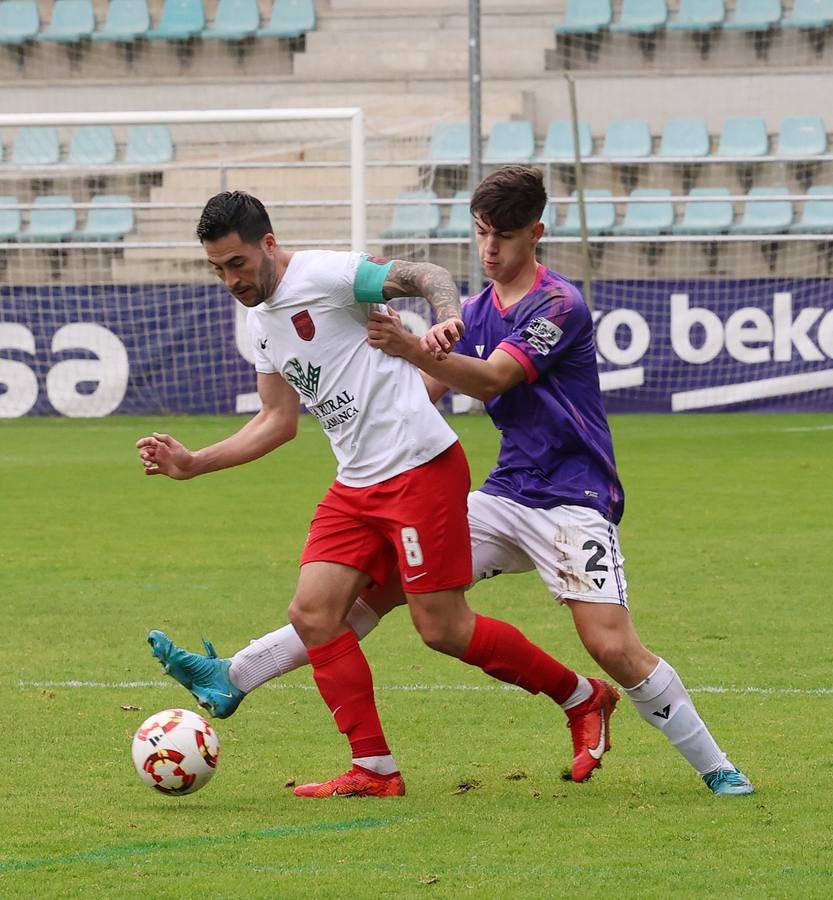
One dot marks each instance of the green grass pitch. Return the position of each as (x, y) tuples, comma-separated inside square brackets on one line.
[(728, 538)]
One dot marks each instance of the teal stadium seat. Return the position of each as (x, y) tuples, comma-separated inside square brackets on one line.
[(765, 216), (810, 14), (641, 17), (181, 20), (50, 224), (19, 21), (558, 144), (72, 21), (236, 20), (9, 219), (36, 146), (698, 15), (126, 22), (149, 145), (450, 143), (802, 136), (586, 17), (510, 141), (414, 219), (627, 139), (743, 136), (459, 222), (711, 214), (817, 216), (685, 137), (647, 218), (754, 15), (107, 224), (600, 217), (290, 19), (92, 145)]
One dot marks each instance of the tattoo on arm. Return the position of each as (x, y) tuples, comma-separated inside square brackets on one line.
[(421, 279)]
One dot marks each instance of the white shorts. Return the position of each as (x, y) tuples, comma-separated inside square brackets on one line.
[(574, 548)]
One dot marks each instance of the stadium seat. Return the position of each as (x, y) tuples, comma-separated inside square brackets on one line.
[(702, 19), (765, 216), (19, 21), (450, 143), (181, 20), (9, 219), (50, 224), (708, 216), (814, 17), (586, 17), (685, 137), (236, 20), (126, 21), (817, 216), (93, 145), (414, 219), (754, 15), (107, 224), (743, 136), (72, 21), (290, 19), (36, 146), (558, 144), (510, 141), (600, 217), (627, 139), (641, 17), (802, 136), (647, 218), (149, 145), (459, 222)]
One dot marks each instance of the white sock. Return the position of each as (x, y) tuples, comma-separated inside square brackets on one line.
[(662, 700), (382, 765), (583, 691), (283, 651)]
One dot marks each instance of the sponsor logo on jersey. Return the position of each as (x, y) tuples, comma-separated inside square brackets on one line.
[(542, 334), (305, 383), (304, 325), (335, 411)]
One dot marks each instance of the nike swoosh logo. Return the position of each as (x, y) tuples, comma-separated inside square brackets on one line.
[(263, 344), (596, 752), (221, 694), (411, 578)]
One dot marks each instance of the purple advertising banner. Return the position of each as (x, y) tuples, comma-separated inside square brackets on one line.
[(663, 346)]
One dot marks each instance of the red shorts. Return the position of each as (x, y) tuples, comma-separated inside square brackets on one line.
[(416, 520)]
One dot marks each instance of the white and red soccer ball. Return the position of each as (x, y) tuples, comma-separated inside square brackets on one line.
[(175, 751)]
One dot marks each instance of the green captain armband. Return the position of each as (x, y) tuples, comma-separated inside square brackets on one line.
[(370, 280)]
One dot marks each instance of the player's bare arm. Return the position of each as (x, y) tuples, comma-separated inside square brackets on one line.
[(483, 379), (275, 424), (421, 279)]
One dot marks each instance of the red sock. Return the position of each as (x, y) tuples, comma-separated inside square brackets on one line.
[(504, 653), (343, 677)]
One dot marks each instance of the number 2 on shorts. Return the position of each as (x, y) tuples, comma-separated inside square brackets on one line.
[(410, 544)]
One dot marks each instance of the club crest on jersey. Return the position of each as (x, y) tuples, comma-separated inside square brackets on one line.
[(304, 325), (542, 334)]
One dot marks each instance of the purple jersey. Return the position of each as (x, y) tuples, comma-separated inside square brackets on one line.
[(556, 446)]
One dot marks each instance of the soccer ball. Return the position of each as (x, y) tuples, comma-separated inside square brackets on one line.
[(175, 751)]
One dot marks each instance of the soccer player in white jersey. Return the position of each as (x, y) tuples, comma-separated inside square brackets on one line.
[(554, 500), (398, 501)]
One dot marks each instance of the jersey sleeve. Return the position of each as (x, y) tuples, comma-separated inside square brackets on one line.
[(548, 330), (259, 343)]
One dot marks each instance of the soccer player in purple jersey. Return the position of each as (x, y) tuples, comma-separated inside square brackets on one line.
[(554, 499)]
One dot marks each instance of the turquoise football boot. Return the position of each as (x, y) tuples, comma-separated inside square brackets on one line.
[(728, 781), (206, 677)]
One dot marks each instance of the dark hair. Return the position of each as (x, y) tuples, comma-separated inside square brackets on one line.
[(234, 211), (509, 198)]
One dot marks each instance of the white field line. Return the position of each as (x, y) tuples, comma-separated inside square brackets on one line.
[(451, 688)]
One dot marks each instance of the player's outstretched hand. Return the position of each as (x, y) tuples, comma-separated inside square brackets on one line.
[(162, 454), (386, 332), (440, 339)]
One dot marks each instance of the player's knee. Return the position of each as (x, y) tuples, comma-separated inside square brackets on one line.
[(607, 648), (440, 633)]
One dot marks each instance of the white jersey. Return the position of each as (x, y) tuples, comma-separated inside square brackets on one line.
[(374, 407)]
